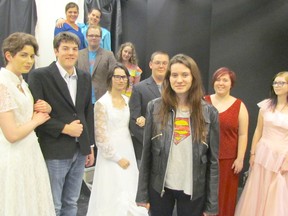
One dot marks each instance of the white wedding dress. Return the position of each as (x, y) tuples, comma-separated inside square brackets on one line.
[(24, 181), (114, 189)]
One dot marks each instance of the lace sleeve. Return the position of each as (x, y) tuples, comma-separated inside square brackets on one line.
[(101, 133), (6, 100)]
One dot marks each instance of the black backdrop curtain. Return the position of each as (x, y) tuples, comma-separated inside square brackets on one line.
[(111, 18), (17, 16)]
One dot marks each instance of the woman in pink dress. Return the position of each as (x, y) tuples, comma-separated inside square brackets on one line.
[(266, 189)]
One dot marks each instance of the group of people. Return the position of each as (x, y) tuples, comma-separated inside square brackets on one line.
[(161, 142)]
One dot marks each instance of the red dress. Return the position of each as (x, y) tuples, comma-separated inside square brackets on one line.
[(228, 181)]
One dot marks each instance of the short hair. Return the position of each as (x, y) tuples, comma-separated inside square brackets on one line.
[(15, 42), (65, 37), (158, 53), (71, 5), (111, 73), (133, 59), (94, 27), (222, 71)]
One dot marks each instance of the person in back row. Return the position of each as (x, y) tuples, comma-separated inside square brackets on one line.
[(94, 18), (96, 61)]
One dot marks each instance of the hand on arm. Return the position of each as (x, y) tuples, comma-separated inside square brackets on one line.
[(13, 132), (74, 129), (60, 22), (42, 106)]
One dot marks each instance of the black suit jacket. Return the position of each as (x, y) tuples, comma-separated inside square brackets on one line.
[(47, 83), (142, 93)]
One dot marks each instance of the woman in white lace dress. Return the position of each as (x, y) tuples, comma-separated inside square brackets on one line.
[(24, 182), (116, 174)]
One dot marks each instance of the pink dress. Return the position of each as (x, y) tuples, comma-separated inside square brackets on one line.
[(266, 189)]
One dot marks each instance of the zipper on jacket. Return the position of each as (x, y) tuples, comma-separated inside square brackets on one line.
[(156, 136)]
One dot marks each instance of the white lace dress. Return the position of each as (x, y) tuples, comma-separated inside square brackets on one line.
[(24, 181), (114, 189)]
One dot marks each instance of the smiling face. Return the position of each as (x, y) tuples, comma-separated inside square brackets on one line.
[(72, 14), (94, 17), (22, 62), (180, 79), (126, 53), (93, 37), (67, 54), (222, 85)]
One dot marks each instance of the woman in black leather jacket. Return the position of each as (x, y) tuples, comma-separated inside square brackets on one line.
[(180, 154)]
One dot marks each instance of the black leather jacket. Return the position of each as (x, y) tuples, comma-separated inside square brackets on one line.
[(156, 151)]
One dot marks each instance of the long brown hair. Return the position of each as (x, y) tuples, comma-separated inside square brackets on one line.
[(194, 98)]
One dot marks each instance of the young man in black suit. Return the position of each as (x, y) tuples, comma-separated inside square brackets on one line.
[(142, 93), (67, 139)]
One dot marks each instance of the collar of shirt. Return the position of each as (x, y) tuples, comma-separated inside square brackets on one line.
[(64, 73)]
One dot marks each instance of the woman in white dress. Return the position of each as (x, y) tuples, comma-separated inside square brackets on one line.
[(24, 182), (116, 174)]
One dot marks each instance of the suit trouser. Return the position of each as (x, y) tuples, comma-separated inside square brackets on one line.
[(163, 206), (66, 180)]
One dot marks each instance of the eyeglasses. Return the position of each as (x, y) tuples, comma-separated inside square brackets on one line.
[(164, 63), (279, 83), (94, 36), (119, 77)]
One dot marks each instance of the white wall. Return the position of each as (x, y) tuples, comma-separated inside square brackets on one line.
[(48, 12)]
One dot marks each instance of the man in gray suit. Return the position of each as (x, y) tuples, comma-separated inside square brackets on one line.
[(142, 93), (96, 61)]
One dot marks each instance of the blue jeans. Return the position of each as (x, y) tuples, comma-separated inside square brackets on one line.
[(66, 180)]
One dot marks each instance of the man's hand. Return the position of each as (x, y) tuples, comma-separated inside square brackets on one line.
[(74, 129), (90, 158), (140, 121)]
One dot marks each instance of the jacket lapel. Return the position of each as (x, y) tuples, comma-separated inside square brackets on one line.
[(61, 84), (152, 86)]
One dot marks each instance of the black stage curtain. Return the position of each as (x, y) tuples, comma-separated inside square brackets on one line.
[(17, 16), (111, 18)]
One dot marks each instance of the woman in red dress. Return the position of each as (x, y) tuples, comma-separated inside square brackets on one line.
[(233, 119)]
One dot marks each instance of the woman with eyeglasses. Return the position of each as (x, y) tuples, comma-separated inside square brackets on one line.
[(116, 174), (266, 189), (127, 56), (233, 120), (180, 147)]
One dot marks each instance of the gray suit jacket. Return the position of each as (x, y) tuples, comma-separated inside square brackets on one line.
[(142, 93), (105, 61)]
